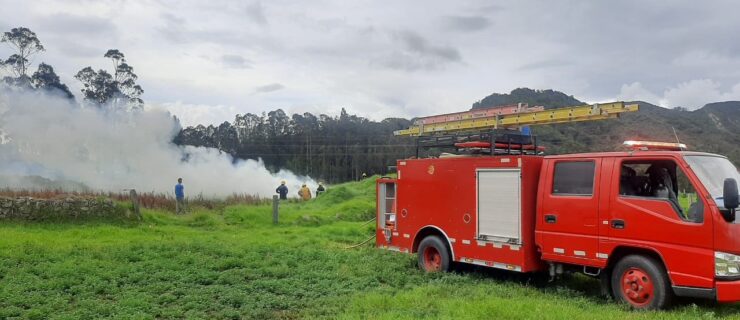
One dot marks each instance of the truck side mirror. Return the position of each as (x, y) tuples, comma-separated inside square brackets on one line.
[(730, 194), (730, 199)]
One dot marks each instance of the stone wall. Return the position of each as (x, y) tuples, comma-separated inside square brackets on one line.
[(63, 208)]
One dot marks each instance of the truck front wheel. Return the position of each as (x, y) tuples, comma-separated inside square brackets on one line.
[(641, 282), (433, 255)]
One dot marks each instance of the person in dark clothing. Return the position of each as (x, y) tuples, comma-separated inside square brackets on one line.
[(626, 181), (282, 190), (320, 189)]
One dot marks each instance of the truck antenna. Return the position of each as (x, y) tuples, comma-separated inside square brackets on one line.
[(676, 135)]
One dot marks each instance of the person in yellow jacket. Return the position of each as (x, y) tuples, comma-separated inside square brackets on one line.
[(305, 193)]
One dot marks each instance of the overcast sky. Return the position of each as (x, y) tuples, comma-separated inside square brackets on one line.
[(208, 60)]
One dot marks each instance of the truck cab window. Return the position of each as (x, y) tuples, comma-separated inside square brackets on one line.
[(574, 178), (661, 179)]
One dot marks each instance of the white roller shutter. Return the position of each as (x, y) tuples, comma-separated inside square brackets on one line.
[(499, 205)]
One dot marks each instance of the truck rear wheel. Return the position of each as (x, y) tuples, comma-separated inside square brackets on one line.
[(433, 255), (641, 282)]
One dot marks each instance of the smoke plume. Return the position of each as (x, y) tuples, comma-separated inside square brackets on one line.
[(46, 136)]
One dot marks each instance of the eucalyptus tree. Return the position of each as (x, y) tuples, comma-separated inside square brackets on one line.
[(25, 43), (47, 80), (97, 86), (125, 79), (118, 89)]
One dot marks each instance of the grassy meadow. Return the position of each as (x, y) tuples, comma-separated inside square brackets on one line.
[(232, 262)]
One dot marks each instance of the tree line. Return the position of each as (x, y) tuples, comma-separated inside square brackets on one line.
[(101, 88), (332, 149)]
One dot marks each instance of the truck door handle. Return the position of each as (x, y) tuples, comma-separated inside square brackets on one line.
[(618, 224), (551, 218)]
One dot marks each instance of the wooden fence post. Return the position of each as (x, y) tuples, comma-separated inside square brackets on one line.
[(275, 204), (135, 202)]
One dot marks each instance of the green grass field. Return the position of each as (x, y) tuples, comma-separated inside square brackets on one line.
[(234, 263)]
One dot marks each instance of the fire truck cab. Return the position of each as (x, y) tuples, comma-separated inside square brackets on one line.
[(650, 224)]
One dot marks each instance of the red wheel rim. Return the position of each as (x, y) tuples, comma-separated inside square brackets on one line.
[(637, 287), (432, 259)]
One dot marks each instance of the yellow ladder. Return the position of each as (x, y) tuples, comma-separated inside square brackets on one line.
[(568, 114)]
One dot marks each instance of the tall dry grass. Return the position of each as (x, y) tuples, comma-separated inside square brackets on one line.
[(150, 200)]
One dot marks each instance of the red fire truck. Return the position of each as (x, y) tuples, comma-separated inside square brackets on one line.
[(652, 222)]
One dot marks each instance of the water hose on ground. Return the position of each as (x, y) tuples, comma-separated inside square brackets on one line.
[(361, 243), (364, 242)]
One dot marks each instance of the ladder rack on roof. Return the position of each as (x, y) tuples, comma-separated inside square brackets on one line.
[(468, 121), (479, 113), (492, 142)]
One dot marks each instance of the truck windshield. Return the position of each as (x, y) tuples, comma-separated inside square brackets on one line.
[(712, 171)]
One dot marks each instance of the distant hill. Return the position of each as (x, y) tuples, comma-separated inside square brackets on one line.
[(548, 98), (713, 128)]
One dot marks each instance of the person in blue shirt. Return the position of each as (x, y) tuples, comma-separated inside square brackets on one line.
[(526, 131), (282, 190), (179, 197)]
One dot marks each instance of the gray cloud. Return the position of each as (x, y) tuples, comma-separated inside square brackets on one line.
[(235, 61), (467, 23), (256, 12), (417, 44), (80, 50), (78, 26), (490, 8), (76, 36), (173, 28), (269, 88), (544, 64), (360, 54), (417, 53), (184, 31)]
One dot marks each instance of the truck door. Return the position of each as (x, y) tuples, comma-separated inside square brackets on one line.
[(567, 226), (656, 206)]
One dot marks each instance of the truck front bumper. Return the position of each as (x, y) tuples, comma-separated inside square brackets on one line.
[(723, 291), (728, 291)]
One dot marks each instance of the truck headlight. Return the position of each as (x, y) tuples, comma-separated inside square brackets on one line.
[(726, 265)]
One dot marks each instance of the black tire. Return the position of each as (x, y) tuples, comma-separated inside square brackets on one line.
[(430, 247), (641, 282)]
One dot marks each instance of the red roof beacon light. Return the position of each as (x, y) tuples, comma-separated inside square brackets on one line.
[(654, 145)]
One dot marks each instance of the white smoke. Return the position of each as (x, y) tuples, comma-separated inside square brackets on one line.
[(47, 136)]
